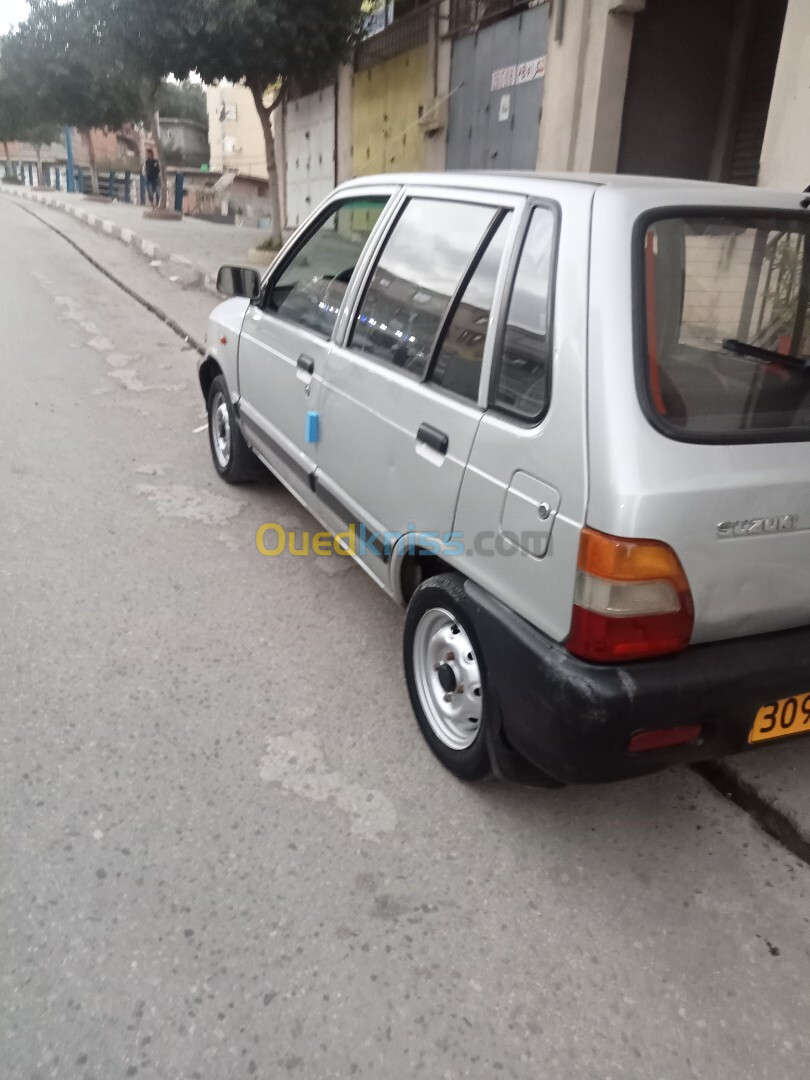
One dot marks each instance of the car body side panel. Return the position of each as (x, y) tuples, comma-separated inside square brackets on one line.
[(226, 321), (552, 453)]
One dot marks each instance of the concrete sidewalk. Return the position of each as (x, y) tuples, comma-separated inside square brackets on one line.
[(199, 247)]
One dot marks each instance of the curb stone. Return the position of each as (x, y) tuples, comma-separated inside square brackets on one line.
[(151, 251)]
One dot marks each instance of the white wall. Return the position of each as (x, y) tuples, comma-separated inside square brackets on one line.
[(785, 161), (586, 78), (309, 126)]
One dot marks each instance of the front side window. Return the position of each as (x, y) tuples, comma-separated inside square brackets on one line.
[(420, 268), (726, 349), (311, 287), (524, 366)]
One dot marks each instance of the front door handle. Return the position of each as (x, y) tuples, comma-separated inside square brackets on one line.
[(432, 437), (306, 364)]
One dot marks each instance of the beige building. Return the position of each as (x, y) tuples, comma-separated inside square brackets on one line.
[(714, 90), (786, 148), (234, 131)]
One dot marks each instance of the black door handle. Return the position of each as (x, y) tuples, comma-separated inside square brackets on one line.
[(306, 364), (432, 437)]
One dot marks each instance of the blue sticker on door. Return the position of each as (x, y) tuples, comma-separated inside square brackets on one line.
[(312, 427)]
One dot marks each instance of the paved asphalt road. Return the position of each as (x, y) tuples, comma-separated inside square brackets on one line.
[(224, 849)]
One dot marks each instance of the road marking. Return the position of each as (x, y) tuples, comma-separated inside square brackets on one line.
[(197, 430)]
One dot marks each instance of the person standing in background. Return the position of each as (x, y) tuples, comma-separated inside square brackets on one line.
[(151, 171)]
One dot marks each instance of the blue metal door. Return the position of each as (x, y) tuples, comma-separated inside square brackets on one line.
[(496, 81)]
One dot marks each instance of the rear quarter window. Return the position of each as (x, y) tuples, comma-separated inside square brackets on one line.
[(723, 325)]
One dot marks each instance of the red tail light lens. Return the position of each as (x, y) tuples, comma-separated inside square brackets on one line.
[(663, 738), (632, 600)]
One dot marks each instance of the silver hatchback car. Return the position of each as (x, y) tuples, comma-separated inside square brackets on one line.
[(565, 421)]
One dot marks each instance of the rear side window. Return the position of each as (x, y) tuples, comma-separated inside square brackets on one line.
[(726, 329), (461, 354), (420, 268), (524, 368)]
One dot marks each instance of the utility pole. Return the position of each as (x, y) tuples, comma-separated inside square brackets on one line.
[(71, 179)]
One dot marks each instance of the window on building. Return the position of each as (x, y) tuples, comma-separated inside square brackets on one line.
[(421, 266), (524, 368)]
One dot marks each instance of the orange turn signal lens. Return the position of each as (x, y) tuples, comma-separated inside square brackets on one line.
[(618, 559)]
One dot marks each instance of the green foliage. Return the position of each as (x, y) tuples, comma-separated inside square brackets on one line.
[(266, 42), (68, 73), (100, 63), (156, 36), (13, 113), (185, 100)]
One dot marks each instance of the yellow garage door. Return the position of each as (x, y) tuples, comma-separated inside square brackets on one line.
[(386, 104)]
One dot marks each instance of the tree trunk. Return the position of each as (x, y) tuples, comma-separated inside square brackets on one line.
[(164, 194), (265, 113), (91, 153), (40, 178), (8, 165)]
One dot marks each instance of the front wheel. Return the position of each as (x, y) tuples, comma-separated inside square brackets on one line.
[(446, 677), (233, 459)]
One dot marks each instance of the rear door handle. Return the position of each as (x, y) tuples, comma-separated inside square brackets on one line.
[(432, 437), (306, 364)]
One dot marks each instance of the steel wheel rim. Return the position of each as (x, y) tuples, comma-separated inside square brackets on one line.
[(448, 679), (221, 430)]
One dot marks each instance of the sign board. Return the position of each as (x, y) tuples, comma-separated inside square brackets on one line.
[(503, 109), (515, 74)]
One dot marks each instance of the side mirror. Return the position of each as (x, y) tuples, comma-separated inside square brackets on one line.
[(238, 281)]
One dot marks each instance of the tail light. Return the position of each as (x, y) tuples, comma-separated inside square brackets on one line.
[(631, 600)]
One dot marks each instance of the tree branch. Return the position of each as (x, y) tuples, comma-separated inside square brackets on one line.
[(258, 97)]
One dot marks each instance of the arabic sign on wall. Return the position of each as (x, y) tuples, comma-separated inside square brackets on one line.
[(516, 74)]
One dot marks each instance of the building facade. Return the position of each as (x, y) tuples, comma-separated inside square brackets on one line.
[(690, 89), (701, 89), (310, 138), (235, 131), (185, 142)]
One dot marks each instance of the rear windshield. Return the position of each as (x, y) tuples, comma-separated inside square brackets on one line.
[(726, 328)]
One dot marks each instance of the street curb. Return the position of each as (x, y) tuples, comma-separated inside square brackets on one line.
[(169, 320), (785, 826), (147, 248)]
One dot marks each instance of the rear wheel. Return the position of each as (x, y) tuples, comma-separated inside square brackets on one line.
[(446, 676), (233, 459)]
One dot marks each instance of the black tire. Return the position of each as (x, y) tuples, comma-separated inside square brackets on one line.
[(236, 463), (445, 593)]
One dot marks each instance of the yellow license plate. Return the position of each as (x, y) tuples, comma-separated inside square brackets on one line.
[(788, 716)]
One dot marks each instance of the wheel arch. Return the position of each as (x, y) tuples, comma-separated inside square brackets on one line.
[(411, 564), (208, 371)]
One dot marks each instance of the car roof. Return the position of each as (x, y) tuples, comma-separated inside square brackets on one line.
[(660, 190)]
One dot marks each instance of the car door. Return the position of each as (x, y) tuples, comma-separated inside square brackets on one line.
[(286, 334), (400, 397)]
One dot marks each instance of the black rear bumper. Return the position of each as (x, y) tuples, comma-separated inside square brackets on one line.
[(573, 720)]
